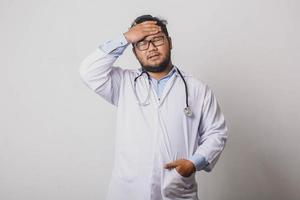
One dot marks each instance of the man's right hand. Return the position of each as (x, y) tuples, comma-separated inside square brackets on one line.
[(140, 31)]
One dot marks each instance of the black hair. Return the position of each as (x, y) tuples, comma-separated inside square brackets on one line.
[(160, 22)]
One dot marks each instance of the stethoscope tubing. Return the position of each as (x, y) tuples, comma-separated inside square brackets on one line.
[(187, 109)]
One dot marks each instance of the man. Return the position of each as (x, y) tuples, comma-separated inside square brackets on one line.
[(169, 124)]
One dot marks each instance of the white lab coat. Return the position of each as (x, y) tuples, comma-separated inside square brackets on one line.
[(147, 137)]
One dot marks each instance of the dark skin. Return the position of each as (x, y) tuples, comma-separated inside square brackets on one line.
[(146, 31)]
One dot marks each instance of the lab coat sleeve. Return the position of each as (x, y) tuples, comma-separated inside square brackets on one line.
[(212, 130), (99, 74)]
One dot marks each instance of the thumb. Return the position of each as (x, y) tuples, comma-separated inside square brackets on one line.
[(170, 165)]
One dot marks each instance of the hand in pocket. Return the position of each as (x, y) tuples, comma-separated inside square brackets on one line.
[(184, 167)]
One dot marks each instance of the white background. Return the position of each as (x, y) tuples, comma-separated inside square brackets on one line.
[(57, 136)]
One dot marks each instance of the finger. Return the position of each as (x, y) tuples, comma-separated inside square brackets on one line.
[(152, 27), (149, 22), (147, 33), (149, 25), (152, 30)]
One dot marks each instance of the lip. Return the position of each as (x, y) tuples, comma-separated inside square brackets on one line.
[(153, 56)]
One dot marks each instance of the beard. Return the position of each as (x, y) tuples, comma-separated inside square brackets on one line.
[(162, 66)]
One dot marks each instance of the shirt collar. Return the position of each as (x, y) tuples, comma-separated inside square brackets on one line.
[(171, 72)]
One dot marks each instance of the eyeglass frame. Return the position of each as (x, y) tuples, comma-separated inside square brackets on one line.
[(148, 42)]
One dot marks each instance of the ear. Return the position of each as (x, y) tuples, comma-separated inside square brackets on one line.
[(170, 42)]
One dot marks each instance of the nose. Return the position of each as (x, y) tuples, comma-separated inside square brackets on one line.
[(152, 46)]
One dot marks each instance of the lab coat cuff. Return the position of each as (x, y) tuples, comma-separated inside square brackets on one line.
[(198, 161), (116, 46)]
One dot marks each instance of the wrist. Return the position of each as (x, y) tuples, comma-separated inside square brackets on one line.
[(198, 161), (126, 37)]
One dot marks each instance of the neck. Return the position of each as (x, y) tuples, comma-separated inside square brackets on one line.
[(159, 75)]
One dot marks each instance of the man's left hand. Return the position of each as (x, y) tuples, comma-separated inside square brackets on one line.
[(184, 167)]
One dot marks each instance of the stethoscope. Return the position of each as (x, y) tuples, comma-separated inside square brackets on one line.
[(187, 110)]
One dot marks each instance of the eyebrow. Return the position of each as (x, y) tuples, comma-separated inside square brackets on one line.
[(152, 37)]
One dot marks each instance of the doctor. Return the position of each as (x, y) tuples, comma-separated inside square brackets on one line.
[(169, 124)]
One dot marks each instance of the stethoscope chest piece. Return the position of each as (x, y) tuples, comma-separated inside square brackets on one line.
[(188, 112)]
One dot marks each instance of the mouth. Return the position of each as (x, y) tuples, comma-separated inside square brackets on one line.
[(153, 56)]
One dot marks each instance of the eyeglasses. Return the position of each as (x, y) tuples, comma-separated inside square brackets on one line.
[(144, 44)]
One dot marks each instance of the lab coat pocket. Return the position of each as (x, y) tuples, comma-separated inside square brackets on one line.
[(183, 177), (179, 187)]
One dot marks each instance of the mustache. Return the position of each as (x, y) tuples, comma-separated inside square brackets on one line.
[(153, 54)]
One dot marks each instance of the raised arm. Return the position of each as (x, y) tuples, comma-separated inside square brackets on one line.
[(97, 70)]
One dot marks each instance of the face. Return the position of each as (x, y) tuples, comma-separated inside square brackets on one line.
[(157, 56)]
